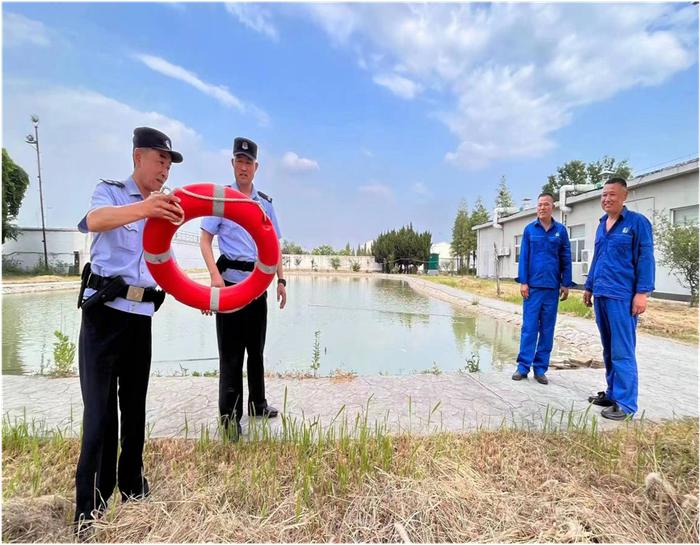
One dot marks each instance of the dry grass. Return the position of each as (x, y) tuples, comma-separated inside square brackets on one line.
[(636, 484), (665, 318)]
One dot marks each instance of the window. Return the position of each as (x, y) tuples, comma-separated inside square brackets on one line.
[(687, 215), (518, 240), (577, 236)]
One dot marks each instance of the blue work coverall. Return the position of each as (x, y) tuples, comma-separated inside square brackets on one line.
[(623, 265), (545, 266)]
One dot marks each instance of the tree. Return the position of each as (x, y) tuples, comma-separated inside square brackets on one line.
[(345, 251), (479, 216), (289, 247), (405, 249), (503, 199), (324, 249), (14, 185), (460, 235), (578, 172), (678, 246)]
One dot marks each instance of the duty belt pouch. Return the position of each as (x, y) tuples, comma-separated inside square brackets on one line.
[(111, 290), (83, 283), (221, 263), (158, 299)]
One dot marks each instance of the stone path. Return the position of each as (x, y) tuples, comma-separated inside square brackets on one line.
[(179, 406)]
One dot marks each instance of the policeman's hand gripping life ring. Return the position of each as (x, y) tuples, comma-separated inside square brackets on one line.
[(207, 199)]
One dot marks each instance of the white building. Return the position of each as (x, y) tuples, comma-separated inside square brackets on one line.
[(672, 191)]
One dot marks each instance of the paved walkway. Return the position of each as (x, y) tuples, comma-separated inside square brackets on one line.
[(179, 406)]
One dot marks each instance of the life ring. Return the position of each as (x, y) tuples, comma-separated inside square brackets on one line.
[(206, 199)]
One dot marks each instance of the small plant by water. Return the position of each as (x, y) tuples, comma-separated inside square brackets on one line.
[(335, 263), (316, 356), (355, 266), (434, 370), (63, 356), (472, 364)]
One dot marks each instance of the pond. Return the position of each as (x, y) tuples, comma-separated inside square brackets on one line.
[(366, 325)]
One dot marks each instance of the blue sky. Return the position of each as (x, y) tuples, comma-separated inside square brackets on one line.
[(368, 116)]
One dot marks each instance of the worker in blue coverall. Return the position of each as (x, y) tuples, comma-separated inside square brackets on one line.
[(544, 273), (620, 279)]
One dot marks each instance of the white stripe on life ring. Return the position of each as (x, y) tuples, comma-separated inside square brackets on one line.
[(268, 269), (214, 298), (217, 208), (157, 258)]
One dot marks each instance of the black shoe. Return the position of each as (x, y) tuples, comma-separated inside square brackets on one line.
[(542, 379), (518, 376), (266, 411), (145, 491), (614, 412), (601, 399)]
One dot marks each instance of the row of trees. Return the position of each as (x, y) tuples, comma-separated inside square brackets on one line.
[(289, 247), (405, 249)]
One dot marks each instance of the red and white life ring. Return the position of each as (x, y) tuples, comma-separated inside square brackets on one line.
[(205, 199)]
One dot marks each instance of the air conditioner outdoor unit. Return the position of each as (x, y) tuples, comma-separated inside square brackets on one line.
[(584, 256), (584, 268), (503, 252)]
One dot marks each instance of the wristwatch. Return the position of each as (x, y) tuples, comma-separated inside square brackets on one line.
[(282, 281)]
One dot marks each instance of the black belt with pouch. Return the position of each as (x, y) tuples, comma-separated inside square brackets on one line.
[(224, 263), (108, 288)]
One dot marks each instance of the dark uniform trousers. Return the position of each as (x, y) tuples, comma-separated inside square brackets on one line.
[(238, 332), (114, 362)]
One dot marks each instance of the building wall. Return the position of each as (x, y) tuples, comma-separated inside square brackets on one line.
[(646, 196)]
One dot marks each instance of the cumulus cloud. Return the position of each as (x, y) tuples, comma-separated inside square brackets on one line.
[(20, 31), (508, 76), (291, 162), (99, 146), (254, 17), (400, 86), (218, 92)]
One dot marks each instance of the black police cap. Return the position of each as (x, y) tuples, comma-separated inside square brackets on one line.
[(245, 146), (146, 137)]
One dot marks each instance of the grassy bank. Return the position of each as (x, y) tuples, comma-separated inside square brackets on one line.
[(357, 483), (668, 319)]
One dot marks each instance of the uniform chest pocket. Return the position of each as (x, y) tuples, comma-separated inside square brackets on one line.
[(539, 244), (554, 243), (621, 245), (127, 236)]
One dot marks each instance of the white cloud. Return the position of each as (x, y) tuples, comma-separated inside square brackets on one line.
[(508, 76), (255, 18), (291, 162), (19, 30), (219, 92), (98, 146), (400, 86), (376, 190)]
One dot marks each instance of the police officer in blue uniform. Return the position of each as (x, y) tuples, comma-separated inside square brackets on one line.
[(544, 273), (243, 330), (118, 298), (620, 279)]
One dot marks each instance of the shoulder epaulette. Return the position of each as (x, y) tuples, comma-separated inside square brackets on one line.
[(266, 197), (112, 182)]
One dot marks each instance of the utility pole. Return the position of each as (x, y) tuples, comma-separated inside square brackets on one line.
[(33, 140)]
